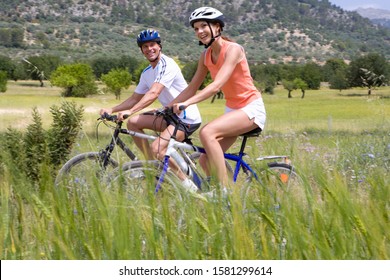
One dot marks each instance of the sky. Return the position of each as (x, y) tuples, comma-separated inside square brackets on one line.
[(351, 5)]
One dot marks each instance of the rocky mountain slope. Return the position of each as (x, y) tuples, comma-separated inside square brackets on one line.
[(271, 30)]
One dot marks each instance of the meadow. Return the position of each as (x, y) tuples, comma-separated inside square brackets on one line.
[(338, 141)]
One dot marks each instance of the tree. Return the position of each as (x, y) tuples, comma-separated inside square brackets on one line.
[(332, 67), (374, 65), (103, 65), (302, 85), (41, 67), (339, 80), (290, 86), (3, 81), (76, 79), (7, 65), (35, 71), (372, 80), (116, 80), (311, 74)]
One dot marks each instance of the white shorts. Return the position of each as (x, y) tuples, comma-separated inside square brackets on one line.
[(255, 110)]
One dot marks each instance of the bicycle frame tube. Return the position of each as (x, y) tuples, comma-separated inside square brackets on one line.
[(240, 163), (127, 151), (110, 147)]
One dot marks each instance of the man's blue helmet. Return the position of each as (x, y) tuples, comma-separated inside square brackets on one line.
[(148, 36)]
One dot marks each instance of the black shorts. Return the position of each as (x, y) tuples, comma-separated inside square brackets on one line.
[(187, 128)]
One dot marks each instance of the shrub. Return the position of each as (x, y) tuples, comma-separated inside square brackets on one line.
[(35, 149)]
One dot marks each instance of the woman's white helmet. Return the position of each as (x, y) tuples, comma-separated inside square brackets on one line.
[(207, 14)]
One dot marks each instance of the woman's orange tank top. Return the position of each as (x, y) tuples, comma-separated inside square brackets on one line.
[(239, 90)]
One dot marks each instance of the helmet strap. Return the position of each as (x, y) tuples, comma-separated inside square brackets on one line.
[(212, 37), (158, 57)]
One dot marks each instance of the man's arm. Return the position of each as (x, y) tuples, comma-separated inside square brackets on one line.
[(125, 105), (128, 103), (148, 98)]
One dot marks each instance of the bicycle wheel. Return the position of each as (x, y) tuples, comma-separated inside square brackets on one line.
[(83, 170), (277, 183), (137, 180)]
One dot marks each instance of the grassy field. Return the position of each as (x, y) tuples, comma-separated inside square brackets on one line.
[(338, 141)]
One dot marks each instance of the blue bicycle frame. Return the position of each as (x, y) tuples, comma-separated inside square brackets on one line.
[(238, 158)]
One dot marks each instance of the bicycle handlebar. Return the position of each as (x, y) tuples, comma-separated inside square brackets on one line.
[(165, 112), (112, 118)]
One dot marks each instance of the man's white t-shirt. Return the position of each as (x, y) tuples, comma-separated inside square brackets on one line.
[(168, 73)]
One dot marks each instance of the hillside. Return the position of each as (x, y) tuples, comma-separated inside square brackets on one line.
[(271, 30), (377, 16)]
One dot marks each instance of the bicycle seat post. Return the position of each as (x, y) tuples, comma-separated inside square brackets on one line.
[(253, 133), (243, 144)]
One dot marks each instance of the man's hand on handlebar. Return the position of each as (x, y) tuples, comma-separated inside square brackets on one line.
[(107, 114), (178, 107)]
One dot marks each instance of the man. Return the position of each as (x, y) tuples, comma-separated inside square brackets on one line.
[(161, 80)]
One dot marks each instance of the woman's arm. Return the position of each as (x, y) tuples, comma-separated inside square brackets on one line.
[(194, 85)]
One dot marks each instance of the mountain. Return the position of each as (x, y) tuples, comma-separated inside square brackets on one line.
[(377, 16), (270, 30)]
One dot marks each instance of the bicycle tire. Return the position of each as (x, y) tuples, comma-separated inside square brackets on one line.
[(137, 181), (276, 184), (82, 169), (139, 178)]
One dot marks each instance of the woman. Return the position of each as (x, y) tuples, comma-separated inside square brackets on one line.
[(228, 66)]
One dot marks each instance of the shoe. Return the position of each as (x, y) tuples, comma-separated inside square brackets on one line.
[(212, 195), (189, 185), (192, 189), (137, 174)]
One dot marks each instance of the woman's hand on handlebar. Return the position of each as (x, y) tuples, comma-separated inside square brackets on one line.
[(123, 115)]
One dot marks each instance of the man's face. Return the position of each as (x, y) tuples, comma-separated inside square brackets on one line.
[(151, 50)]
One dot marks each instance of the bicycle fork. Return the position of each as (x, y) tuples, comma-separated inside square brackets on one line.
[(162, 175)]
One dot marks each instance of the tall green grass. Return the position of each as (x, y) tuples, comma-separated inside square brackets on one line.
[(340, 145)]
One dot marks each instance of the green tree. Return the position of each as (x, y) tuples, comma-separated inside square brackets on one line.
[(103, 65), (302, 85), (3, 81), (289, 86), (339, 80), (40, 67), (373, 63), (76, 79), (372, 80), (311, 74), (7, 65), (116, 80), (332, 67)]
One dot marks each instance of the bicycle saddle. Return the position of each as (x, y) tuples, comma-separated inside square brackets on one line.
[(252, 133)]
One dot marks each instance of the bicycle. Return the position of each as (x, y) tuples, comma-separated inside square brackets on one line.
[(276, 177), (85, 169)]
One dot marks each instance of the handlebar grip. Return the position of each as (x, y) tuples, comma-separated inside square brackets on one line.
[(182, 107)]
